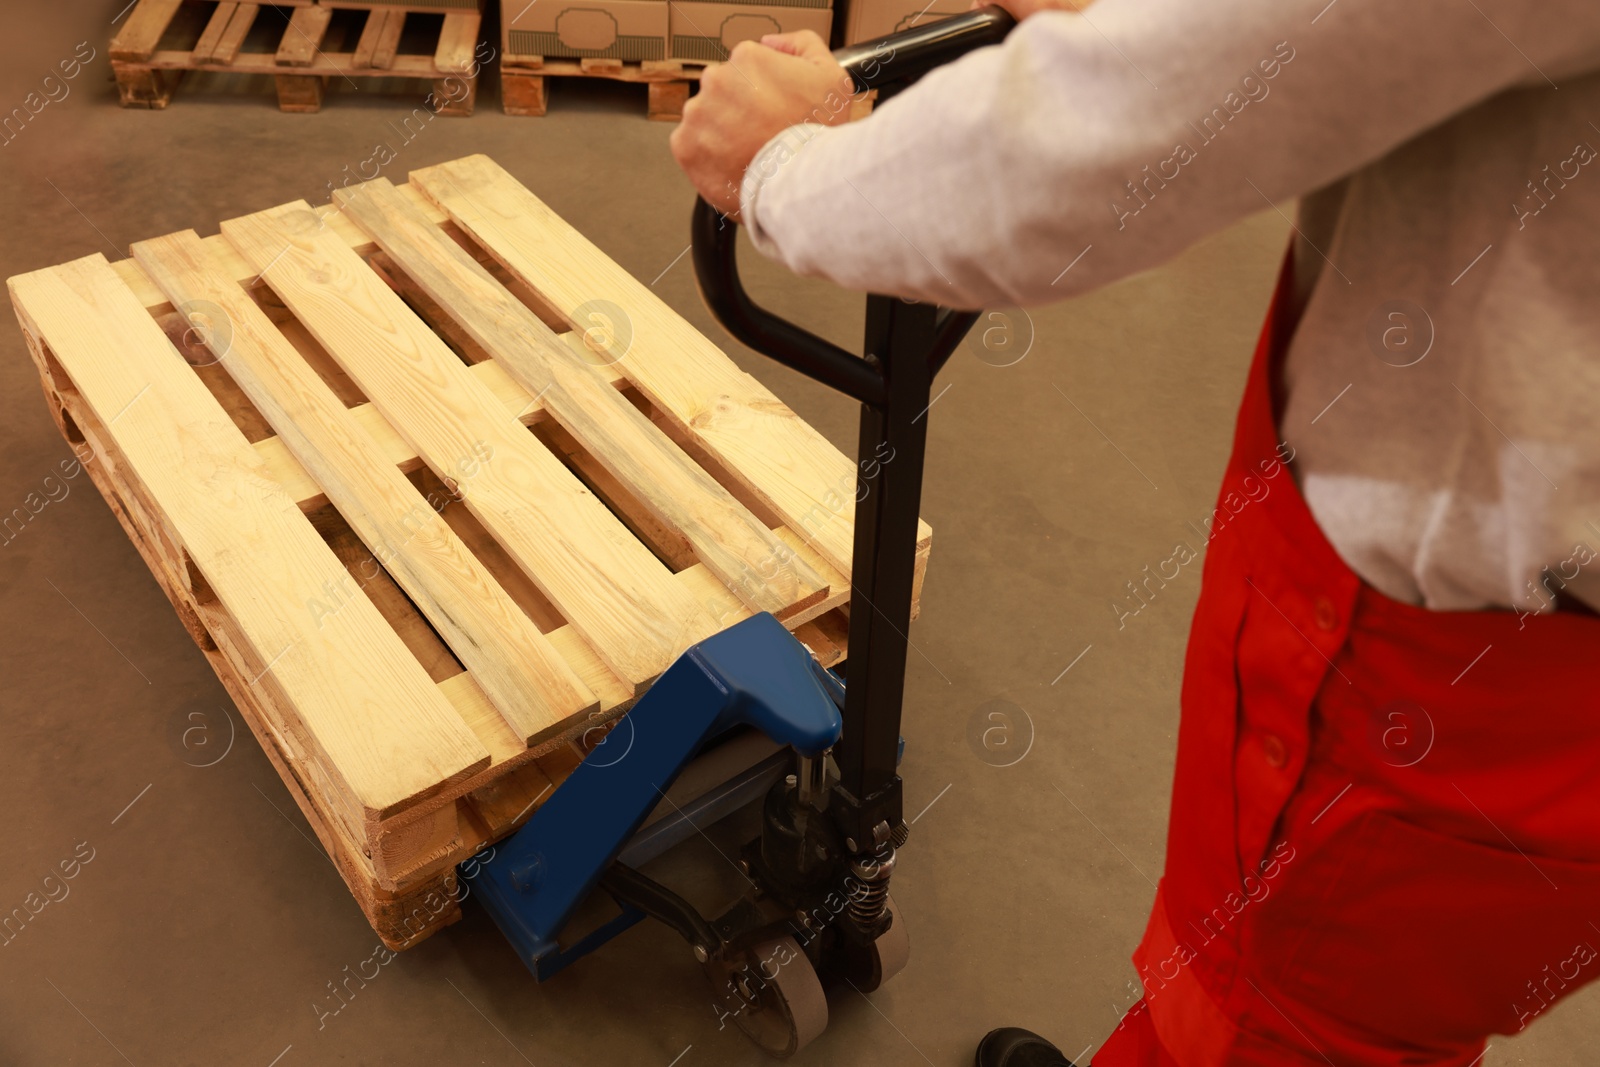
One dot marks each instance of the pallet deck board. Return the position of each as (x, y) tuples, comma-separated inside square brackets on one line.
[(142, 32), (790, 466), (303, 37), (367, 46), (238, 28), (256, 475), (211, 37), (323, 64), (736, 546), (612, 589), (528, 682), (457, 41), (380, 40), (362, 700)]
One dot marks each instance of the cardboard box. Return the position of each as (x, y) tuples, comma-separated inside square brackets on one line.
[(868, 19), (586, 29), (707, 30)]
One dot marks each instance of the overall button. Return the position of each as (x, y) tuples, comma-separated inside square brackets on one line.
[(1276, 752), (1327, 616)]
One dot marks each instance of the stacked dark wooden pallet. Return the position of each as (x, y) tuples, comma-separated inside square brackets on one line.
[(302, 46)]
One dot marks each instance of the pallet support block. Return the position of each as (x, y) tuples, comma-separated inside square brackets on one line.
[(299, 93), (522, 94), (147, 88), (667, 100), (456, 95)]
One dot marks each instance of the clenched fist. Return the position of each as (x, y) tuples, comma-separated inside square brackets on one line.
[(762, 90)]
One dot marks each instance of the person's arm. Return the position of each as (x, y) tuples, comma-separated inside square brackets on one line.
[(1091, 146)]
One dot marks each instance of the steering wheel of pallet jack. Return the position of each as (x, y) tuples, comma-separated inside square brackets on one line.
[(774, 995)]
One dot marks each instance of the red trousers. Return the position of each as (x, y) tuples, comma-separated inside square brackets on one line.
[(1384, 844)]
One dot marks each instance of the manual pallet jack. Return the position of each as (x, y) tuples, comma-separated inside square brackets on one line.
[(818, 907)]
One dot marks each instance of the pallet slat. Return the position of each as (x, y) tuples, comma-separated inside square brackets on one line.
[(457, 41), (733, 544), (389, 41), (727, 609), (142, 32), (322, 64), (607, 584), (233, 37), (303, 36), (368, 44), (778, 457), (524, 676), (206, 46), (379, 724), (380, 39)]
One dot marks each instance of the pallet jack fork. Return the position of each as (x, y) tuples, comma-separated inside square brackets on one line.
[(818, 906)]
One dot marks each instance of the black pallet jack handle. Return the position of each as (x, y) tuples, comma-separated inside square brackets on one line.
[(885, 65), (901, 58), (906, 345)]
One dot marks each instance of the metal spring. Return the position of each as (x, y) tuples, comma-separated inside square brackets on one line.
[(869, 895)]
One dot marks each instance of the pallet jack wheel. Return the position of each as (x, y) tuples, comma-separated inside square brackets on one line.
[(774, 996), (890, 953)]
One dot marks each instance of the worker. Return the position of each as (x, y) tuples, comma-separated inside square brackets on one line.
[(1384, 841)]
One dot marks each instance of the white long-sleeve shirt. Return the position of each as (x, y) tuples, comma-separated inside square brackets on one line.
[(1448, 154)]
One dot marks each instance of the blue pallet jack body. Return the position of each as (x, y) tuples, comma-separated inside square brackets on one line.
[(752, 674)]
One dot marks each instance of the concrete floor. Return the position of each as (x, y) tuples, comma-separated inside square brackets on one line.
[(208, 925)]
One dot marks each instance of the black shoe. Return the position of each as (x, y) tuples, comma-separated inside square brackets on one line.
[(1011, 1046)]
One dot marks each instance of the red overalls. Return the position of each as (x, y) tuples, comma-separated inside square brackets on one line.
[(1385, 835)]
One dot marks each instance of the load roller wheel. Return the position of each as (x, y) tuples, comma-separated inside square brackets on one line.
[(868, 967), (891, 952), (773, 995)]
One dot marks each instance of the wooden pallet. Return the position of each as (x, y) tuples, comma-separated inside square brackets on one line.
[(524, 91), (438, 489), (419, 6), (164, 39)]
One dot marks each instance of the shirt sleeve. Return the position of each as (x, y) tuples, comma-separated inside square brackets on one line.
[(1091, 146)]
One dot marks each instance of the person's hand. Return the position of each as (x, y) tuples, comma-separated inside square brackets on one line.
[(761, 90), (1021, 9)]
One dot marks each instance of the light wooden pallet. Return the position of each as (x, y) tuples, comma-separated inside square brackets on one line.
[(438, 489), (163, 39), (525, 91)]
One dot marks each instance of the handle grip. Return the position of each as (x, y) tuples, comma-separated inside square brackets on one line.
[(909, 54), (716, 270), (885, 63)]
